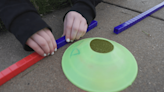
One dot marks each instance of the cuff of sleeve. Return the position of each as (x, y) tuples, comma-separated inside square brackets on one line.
[(25, 25), (86, 11)]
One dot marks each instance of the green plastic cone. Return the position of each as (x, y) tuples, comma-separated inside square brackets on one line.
[(99, 65)]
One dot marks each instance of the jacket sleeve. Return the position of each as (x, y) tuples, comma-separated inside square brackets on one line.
[(86, 8), (21, 18)]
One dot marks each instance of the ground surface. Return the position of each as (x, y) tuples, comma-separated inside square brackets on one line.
[(48, 75)]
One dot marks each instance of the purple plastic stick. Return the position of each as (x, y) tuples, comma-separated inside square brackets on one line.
[(136, 19), (61, 41)]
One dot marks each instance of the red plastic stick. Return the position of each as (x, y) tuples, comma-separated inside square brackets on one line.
[(19, 67)]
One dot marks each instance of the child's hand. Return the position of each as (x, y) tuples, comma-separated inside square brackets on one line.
[(43, 42), (75, 26)]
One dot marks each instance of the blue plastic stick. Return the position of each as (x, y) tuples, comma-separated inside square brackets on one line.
[(138, 18), (61, 41)]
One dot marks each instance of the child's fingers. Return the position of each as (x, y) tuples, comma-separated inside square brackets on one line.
[(35, 47), (68, 28), (78, 35), (43, 34), (75, 28), (52, 39), (41, 42), (82, 30), (85, 27)]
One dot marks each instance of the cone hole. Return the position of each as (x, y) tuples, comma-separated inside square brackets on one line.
[(101, 46)]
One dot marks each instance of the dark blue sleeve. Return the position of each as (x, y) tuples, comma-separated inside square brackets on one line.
[(21, 18)]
